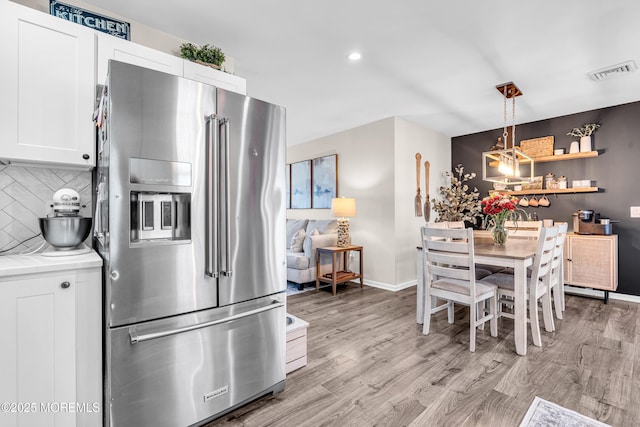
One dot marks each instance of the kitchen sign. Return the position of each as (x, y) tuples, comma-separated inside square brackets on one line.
[(89, 19)]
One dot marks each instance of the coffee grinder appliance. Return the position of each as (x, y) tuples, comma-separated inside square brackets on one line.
[(65, 230), (586, 221)]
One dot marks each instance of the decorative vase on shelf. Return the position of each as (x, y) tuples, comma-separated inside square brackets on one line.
[(585, 144), (499, 233)]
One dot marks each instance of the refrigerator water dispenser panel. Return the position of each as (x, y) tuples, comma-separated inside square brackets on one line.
[(157, 217), (159, 172)]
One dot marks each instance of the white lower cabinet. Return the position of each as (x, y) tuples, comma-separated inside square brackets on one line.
[(591, 261), (50, 362), (47, 87)]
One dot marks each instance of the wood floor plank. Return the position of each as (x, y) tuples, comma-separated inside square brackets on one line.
[(370, 365)]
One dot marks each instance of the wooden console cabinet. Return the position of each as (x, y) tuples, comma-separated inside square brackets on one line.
[(591, 261)]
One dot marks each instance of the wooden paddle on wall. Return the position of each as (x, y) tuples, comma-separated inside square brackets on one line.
[(418, 201), (427, 202)]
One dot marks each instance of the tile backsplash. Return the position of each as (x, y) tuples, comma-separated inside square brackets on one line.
[(26, 193)]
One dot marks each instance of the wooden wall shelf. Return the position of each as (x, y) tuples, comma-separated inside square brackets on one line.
[(557, 191), (559, 158)]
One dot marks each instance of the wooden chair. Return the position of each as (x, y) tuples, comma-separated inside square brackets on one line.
[(523, 229), (529, 230), (450, 275), (557, 270), (538, 285), (481, 269)]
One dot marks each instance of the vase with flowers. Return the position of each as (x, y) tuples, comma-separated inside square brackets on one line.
[(499, 207)]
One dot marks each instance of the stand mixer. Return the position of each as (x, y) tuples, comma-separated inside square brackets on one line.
[(65, 230)]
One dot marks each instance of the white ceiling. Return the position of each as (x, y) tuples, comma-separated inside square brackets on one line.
[(432, 62)]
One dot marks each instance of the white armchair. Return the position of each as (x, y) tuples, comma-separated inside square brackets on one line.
[(301, 265)]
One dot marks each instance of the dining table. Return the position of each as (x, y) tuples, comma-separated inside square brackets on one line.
[(515, 253)]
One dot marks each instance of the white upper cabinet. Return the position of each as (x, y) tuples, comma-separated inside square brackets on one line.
[(47, 87), (110, 47), (214, 77)]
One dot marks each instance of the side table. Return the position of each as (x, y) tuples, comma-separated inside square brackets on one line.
[(336, 276)]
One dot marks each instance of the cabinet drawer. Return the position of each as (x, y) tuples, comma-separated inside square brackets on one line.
[(296, 364), (297, 333), (296, 348)]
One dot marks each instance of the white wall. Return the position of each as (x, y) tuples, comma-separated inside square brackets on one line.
[(410, 139), (365, 172), (376, 166)]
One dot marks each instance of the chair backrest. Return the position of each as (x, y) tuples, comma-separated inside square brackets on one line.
[(559, 250), (541, 268), (455, 224), (448, 253), (436, 225), (523, 229)]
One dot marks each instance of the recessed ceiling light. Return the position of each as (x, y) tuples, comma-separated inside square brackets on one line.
[(355, 56)]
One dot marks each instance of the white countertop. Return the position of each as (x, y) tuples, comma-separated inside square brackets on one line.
[(298, 323), (14, 265)]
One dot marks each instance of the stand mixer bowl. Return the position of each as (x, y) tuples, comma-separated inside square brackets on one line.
[(65, 232)]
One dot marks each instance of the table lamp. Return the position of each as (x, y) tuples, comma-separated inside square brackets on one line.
[(343, 207)]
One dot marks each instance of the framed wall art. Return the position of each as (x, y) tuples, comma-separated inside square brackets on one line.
[(324, 181), (301, 185)]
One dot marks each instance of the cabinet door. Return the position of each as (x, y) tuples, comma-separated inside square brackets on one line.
[(47, 88), (110, 47), (592, 261), (204, 74), (37, 361)]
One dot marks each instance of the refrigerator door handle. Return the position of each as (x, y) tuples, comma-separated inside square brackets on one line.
[(211, 268), (136, 338), (227, 191)]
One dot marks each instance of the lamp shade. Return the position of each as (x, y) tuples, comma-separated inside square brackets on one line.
[(343, 207)]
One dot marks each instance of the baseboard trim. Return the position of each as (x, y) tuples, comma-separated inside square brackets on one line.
[(389, 287), (588, 292)]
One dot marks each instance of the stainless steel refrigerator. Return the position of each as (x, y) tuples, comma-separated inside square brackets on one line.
[(190, 222)]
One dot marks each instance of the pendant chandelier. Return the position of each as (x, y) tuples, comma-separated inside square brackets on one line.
[(509, 165)]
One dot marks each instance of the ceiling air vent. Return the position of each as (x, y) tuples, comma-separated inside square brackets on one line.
[(613, 71)]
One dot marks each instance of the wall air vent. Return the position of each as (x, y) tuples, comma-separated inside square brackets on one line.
[(613, 71)]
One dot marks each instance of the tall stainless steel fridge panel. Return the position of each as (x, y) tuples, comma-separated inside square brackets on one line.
[(157, 140), (251, 138), (191, 186)]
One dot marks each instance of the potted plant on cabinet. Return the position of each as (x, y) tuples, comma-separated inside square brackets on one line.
[(206, 55)]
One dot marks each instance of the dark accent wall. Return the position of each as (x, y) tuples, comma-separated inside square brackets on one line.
[(616, 171)]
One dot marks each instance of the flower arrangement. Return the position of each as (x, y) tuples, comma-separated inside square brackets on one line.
[(499, 207), (458, 204), (585, 130)]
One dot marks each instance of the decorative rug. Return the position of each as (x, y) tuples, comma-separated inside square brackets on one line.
[(542, 413)]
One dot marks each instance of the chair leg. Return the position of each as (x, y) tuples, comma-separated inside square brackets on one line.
[(426, 322), (473, 315), (493, 310), (480, 312), (450, 312), (557, 301), (547, 313), (535, 325)]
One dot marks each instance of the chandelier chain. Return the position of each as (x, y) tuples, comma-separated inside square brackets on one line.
[(505, 134), (513, 122)]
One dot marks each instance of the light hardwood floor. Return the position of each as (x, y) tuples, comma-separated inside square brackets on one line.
[(369, 365)]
